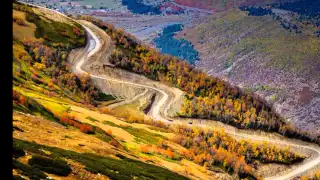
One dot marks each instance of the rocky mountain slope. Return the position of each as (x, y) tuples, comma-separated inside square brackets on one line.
[(274, 53)]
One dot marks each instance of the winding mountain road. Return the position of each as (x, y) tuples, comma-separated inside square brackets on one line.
[(156, 114), (94, 45)]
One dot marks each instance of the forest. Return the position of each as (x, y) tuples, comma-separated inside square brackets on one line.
[(180, 48), (256, 11), (304, 7), (307, 11), (138, 7)]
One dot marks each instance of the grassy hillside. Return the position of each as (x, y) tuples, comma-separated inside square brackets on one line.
[(234, 32), (275, 55), (44, 88), (222, 5)]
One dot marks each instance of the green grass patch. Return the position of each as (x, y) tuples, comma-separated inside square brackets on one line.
[(52, 166), (143, 136), (155, 128), (92, 119), (56, 32), (125, 169), (111, 124)]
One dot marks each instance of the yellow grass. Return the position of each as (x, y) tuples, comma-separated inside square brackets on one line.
[(81, 114), (26, 31), (53, 134), (185, 168), (128, 110), (146, 127), (197, 171)]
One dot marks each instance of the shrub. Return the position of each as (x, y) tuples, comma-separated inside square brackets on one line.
[(109, 131), (16, 177), (105, 110), (76, 31), (86, 129), (19, 20), (39, 66), (52, 166), (104, 97), (17, 151), (145, 149), (32, 173), (35, 78)]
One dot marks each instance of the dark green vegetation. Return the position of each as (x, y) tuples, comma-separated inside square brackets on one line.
[(111, 124), (104, 97), (91, 119), (309, 8), (26, 170), (256, 11), (16, 177), (138, 7), (207, 97), (17, 151), (181, 48), (52, 166), (113, 168), (307, 11)]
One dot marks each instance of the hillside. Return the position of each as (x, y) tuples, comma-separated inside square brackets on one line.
[(46, 102), (69, 124), (266, 55), (222, 5)]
